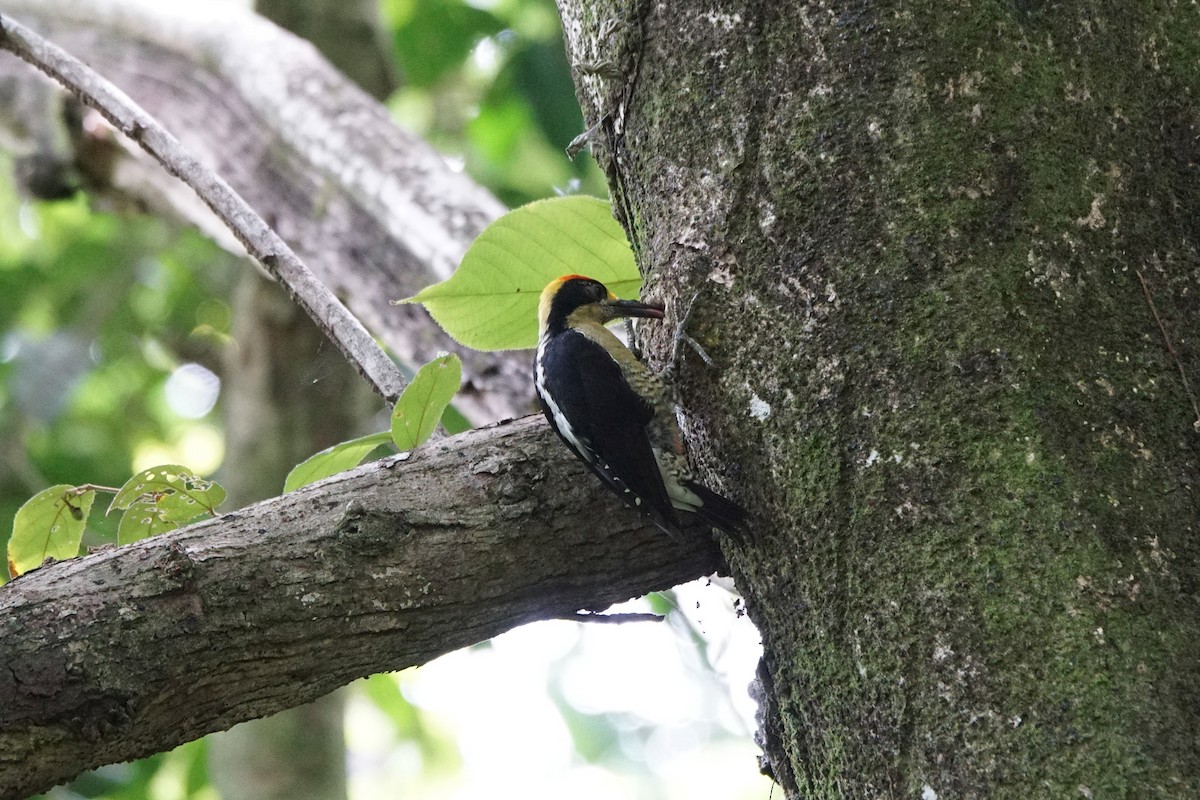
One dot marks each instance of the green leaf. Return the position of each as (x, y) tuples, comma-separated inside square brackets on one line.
[(49, 525), (421, 404), (141, 520), (333, 460), (454, 422), (178, 494), (491, 301)]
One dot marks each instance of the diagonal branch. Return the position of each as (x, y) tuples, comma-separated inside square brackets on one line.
[(342, 328), (132, 650)]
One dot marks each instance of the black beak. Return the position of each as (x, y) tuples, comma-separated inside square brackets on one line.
[(633, 308)]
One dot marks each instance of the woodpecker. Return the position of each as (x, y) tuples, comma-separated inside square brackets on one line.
[(612, 411)]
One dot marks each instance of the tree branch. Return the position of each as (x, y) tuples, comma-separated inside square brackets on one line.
[(129, 651), (342, 328)]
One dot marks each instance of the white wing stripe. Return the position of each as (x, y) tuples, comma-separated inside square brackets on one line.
[(560, 420)]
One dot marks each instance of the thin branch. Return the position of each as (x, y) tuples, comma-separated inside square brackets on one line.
[(95, 487), (342, 328), (1162, 329)]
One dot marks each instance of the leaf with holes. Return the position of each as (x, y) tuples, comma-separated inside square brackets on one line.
[(491, 301), (179, 494), (141, 520), (333, 460), (421, 405), (49, 525)]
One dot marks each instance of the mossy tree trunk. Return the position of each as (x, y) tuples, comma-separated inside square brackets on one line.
[(945, 258)]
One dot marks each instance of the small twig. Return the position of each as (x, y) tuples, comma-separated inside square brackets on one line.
[(1162, 329), (583, 140), (83, 488), (616, 619), (681, 335), (342, 327), (696, 348)]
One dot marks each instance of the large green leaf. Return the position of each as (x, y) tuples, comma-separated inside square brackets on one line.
[(49, 525), (421, 404), (333, 460), (490, 303)]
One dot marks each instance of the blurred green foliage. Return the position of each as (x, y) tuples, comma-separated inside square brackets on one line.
[(95, 312), (180, 774), (488, 83)]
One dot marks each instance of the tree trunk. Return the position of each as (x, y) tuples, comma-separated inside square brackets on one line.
[(945, 259), (349, 33)]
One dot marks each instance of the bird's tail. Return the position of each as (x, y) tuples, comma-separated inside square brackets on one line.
[(719, 512)]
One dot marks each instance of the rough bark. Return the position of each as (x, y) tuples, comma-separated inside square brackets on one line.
[(133, 650), (914, 236), (375, 212)]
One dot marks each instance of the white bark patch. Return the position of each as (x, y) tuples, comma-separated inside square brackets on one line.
[(759, 409), (726, 22), (1094, 219)]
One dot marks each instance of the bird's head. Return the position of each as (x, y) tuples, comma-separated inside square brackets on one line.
[(573, 300)]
